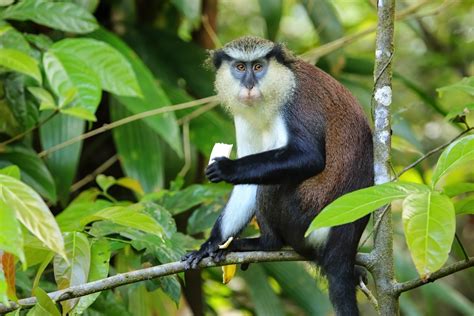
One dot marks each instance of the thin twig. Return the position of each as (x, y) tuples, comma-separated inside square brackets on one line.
[(376, 225), (198, 112), (441, 273), (126, 120), (28, 131), (187, 150), (91, 177), (464, 252), (210, 31), (433, 151), (369, 296)]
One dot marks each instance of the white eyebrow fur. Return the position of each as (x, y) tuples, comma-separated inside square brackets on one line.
[(245, 55)]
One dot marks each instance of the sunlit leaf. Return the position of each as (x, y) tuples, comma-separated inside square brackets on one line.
[(459, 152), (357, 204), (76, 271), (130, 216), (45, 306), (32, 212), (18, 61), (130, 184), (105, 182), (429, 225), (45, 98), (114, 71), (3, 288), (12, 171), (70, 219), (11, 238), (63, 16), (65, 74), (100, 257)]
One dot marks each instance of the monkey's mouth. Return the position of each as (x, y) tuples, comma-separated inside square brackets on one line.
[(249, 96)]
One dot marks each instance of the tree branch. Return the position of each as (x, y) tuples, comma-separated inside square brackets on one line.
[(441, 273), (163, 270)]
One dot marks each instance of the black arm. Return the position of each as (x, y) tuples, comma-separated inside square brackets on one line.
[(291, 163)]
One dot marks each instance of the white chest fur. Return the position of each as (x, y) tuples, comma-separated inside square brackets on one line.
[(257, 135)]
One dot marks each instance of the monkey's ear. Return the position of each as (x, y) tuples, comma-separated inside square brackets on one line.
[(215, 58)]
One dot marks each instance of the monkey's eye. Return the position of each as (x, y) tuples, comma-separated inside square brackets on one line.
[(257, 67), (240, 67)]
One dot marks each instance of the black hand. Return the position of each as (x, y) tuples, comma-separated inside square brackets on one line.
[(208, 249), (222, 169)]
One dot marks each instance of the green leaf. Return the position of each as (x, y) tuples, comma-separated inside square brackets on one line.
[(180, 201), (62, 163), (11, 38), (63, 16), (465, 206), (458, 188), (114, 71), (203, 218), (70, 219), (32, 212), (45, 305), (459, 111), (357, 204), (33, 170), (100, 257), (459, 152), (129, 216), (11, 238), (190, 9), (105, 182), (429, 224), (67, 74), (18, 61), (263, 297), (135, 141), (465, 85), (3, 288), (299, 285), (12, 171), (153, 96), (45, 98), (271, 11), (76, 271)]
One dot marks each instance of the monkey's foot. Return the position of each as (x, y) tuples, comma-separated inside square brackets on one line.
[(193, 258)]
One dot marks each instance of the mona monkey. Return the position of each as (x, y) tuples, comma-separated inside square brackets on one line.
[(302, 141)]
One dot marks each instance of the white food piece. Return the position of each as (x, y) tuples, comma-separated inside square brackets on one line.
[(226, 244), (220, 150)]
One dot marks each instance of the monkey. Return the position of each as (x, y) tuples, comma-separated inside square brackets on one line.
[(303, 140)]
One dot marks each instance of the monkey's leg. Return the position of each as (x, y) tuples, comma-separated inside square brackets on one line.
[(236, 215)]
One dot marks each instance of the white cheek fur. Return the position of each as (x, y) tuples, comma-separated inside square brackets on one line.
[(318, 237)]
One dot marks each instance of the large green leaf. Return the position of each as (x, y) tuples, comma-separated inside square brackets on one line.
[(130, 216), (264, 299), (11, 38), (64, 162), (3, 287), (16, 60), (11, 238), (32, 212), (113, 69), (45, 306), (100, 257), (75, 271), (357, 204), (459, 152), (69, 76), (203, 218), (135, 141), (429, 225), (33, 170), (153, 96), (271, 11), (63, 16)]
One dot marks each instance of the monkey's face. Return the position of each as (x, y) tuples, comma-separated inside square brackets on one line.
[(262, 83)]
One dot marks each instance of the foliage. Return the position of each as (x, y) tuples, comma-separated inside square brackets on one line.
[(70, 67)]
